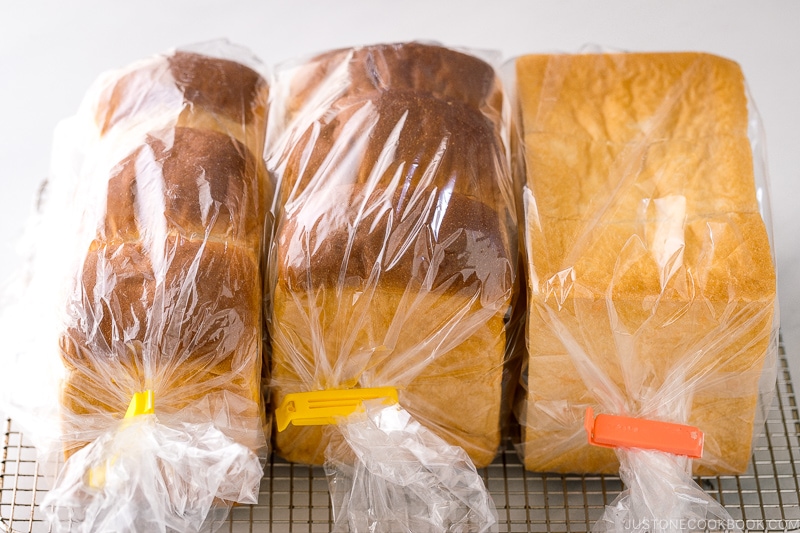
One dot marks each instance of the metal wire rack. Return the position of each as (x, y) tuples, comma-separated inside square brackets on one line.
[(294, 498)]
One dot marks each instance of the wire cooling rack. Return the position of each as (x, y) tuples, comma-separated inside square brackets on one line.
[(294, 498)]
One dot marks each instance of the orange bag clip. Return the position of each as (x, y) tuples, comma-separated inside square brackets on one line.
[(613, 431)]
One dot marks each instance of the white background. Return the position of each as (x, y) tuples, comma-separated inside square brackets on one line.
[(51, 51)]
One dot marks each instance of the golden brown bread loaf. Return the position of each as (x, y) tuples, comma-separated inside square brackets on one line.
[(650, 281), (393, 261), (169, 294)]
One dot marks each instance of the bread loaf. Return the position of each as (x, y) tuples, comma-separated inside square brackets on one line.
[(393, 261), (168, 296), (650, 281)]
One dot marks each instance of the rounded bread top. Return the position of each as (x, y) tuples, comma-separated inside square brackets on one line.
[(399, 135), (185, 80), (198, 183), (441, 72)]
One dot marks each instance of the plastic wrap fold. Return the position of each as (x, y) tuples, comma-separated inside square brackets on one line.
[(394, 260), (650, 280), (144, 281)]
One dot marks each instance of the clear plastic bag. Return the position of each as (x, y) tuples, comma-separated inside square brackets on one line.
[(651, 283), (661, 496), (403, 478), (143, 281), (394, 260)]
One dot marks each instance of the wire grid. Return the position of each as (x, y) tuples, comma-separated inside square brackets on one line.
[(294, 498)]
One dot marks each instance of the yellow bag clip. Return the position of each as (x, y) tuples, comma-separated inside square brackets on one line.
[(142, 403), (323, 407)]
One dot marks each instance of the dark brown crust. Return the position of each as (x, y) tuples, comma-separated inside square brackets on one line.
[(461, 143), (123, 304), (424, 69), (442, 147), (220, 165), (398, 245), (215, 86)]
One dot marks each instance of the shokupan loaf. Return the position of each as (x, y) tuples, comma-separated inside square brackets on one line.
[(393, 262), (169, 294), (650, 281)]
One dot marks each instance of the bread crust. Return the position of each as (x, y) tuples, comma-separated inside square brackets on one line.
[(394, 262), (649, 268), (169, 294)]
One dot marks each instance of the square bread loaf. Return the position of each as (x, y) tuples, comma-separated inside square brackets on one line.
[(394, 257), (651, 287)]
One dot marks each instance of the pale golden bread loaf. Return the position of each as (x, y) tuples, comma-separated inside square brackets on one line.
[(393, 262), (650, 281)]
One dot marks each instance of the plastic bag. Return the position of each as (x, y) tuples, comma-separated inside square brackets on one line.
[(651, 283), (404, 478), (136, 340), (394, 260), (661, 496)]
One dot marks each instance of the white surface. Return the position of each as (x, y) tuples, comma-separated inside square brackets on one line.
[(51, 51)]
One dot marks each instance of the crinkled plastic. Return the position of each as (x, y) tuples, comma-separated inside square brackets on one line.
[(660, 496), (144, 277), (404, 478), (193, 464), (394, 259), (651, 283)]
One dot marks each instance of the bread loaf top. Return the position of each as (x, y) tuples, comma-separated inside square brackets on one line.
[(395, 163), (179, 151), (423, 69), (226, 89), (641, 172)]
